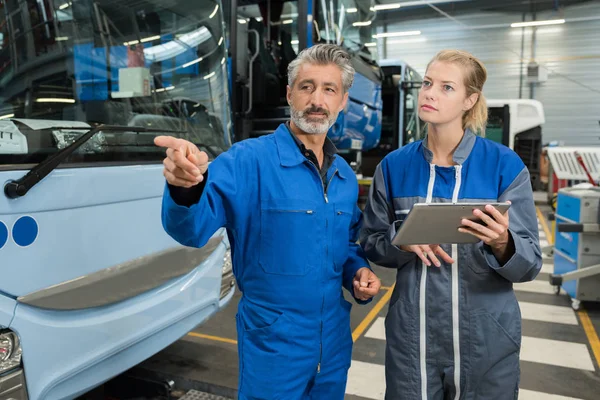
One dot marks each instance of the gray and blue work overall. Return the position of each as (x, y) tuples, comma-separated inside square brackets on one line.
[(453, 332)]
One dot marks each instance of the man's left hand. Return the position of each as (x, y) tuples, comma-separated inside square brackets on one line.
[(366, 284)]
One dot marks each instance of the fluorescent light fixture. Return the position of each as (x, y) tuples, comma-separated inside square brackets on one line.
[(425, 3), (288, 21), (197, 60), (295, 42), (392, 6), (538, 31), (7, 116), (241, 21), (164, 89), (372, 44), (63, 6), (537, 23), (397, 34), (259, 19), (55, 100), (214, 12), (408, 41), (144, 40), (209, 75), (149, 39), (171, 49), (223, 61), (363, 23), (220, 41), (352, 10), (61, 38)]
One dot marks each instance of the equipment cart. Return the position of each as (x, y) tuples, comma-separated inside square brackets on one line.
[(577, 237)]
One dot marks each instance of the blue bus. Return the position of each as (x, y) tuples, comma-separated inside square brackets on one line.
[(262, 51), (90, 284)]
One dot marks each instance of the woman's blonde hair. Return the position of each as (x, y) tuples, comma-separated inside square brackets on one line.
[(475, 76)]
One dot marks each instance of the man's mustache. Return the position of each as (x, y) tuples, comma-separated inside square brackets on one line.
[(315, 110)]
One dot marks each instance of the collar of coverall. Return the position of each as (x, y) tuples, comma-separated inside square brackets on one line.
[(462, 151), (289, 151)]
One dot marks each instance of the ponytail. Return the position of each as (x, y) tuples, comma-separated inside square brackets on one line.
[(476, 118)]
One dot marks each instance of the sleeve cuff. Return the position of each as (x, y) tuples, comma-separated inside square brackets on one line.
[(491, 260), (392, 232), (187, 197)]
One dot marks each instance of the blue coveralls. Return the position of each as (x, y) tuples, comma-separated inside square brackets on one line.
[(453, 332), (293, 247)]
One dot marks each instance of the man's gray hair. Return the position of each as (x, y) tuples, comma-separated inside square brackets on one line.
[(324, 54)]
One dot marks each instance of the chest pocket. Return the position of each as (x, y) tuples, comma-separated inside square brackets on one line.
[(341, 234), (290, 237)]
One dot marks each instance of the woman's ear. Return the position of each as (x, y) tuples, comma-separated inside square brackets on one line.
[(470, 101)]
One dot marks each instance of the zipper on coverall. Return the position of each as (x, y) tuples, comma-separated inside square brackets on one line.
[(327, 256)]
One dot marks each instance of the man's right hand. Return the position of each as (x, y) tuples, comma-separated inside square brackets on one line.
[(429, 252), (184, 164)]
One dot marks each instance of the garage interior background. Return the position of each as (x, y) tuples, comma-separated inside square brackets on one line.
[(569, 53)]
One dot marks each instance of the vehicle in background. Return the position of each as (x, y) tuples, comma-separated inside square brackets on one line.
[(262, 53), (91, 283)]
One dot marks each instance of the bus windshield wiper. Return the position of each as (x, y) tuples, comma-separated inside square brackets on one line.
[(20, 187)]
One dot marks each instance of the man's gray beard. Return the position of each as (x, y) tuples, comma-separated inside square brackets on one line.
[(311, 128)]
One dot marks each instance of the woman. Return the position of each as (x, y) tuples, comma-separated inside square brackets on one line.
[(454, 327)]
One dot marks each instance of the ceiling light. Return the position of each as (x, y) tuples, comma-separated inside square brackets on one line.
[(149, 39), (55, 100), (363, 23), (397, 34), (407, 41), (537, 23), (380, 7), (214, 12), (197, 60)]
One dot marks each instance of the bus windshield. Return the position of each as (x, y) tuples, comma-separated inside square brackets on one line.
[(157, 65), (348, 22)]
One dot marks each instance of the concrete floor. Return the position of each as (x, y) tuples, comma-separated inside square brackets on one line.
[(559, 357)]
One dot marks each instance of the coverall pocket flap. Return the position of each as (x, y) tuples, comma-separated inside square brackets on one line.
[(266, 360), (491, 345), (290, 236)]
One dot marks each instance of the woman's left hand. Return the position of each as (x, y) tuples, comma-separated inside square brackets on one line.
[(495, 234)]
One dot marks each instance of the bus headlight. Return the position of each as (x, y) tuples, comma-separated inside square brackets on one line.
[(227, 280), (10, 351)]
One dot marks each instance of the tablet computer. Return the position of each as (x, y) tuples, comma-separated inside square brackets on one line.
[(438, 223)]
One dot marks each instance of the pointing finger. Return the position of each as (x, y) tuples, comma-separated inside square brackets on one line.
[(167, 142)]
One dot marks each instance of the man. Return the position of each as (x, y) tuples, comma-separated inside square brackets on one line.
[(289, 206)]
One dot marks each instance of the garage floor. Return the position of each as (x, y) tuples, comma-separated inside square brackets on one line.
[(559, 356)]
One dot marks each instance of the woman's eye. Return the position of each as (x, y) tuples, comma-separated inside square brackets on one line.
[(426, 83), (448, 88)]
